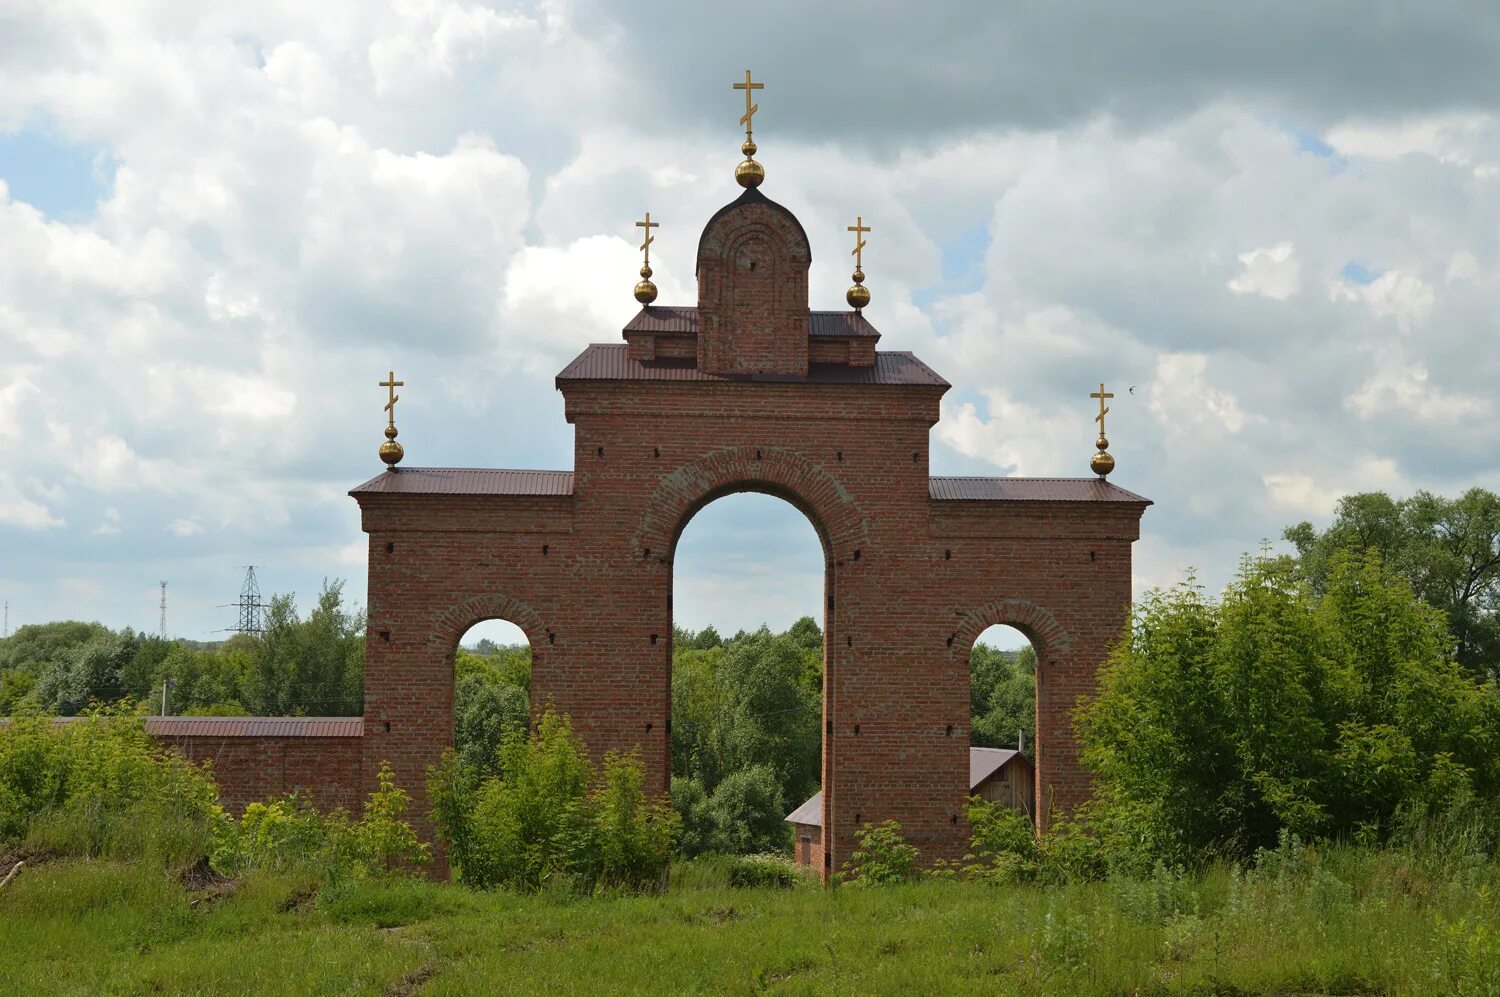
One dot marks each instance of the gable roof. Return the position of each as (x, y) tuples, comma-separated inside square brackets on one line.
[(983, 763)]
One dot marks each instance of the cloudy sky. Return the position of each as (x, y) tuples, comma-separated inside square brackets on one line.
[(1278, 221)]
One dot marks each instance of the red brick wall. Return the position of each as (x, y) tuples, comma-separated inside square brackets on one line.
[(752, 291), (327, 770)]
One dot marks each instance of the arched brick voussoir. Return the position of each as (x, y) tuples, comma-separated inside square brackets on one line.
[(451, 624), (835, 514), (1047, 636)]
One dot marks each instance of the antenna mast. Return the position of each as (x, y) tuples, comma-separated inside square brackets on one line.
[(162, 631)]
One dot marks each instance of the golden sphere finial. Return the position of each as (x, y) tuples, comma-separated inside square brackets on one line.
[(1102, 463), (391, 452), (858, 296), (645, 291), (749, 174)]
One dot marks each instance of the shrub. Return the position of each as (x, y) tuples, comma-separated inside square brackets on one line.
[(545, 818), (746, 812), (766, 870), (288, 833), (1005, 847), (1328, 714), (100, 785), (883, 856)]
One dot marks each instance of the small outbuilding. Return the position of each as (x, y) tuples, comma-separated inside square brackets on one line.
[(1001, 775)]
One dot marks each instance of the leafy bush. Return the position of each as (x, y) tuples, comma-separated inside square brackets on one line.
[(544, 817), (882, 858), (1006, 848), (1219, 725), (100, 785), (767, 870), (288, 833)]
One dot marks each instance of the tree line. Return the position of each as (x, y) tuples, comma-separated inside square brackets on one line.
[(297, 666)]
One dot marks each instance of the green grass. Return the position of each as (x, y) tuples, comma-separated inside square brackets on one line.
[(1337, 921)]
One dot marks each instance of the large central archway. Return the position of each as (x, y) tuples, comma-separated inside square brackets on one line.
[(748, 651)]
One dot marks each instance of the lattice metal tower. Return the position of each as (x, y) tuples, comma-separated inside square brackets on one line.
[(162, 631), (252, 610)]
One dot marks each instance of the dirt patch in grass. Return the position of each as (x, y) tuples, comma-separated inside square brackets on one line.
[(299, 899), (32, 855), (409, 984)]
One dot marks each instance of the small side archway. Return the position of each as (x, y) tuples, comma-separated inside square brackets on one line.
[(1051, 644)]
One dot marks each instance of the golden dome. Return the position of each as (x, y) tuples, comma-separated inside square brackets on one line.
[(858, 296), (645, 291), (749, 173)]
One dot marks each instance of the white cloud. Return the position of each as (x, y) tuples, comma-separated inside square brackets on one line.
[(1402, 296), (1185, 405), (1400, 387), (110, 527), (184, 528), (1307, 494), (19, 511), (1272, 272), (1012, 436)]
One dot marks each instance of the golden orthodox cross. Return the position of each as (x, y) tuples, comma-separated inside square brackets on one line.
[(859, 228), (750, 108), (1101, 394), (648, 225), (393, 384)]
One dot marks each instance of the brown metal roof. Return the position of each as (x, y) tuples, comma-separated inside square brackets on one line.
[(1029, 490), (611, 362), (256, 726), (664, 318), (467, 481), (681, 319)]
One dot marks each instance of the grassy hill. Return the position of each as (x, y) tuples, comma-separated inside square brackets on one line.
[(1336, 921)]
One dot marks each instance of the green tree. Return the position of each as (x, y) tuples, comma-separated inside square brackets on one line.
[(90, 673), (1281, 708), (1002, 696), (491, 703), (1447, 549)]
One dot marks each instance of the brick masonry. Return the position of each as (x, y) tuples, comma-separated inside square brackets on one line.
[(325, 770), (746, 405)]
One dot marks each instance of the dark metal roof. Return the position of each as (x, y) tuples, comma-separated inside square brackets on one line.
[(611, 362), (256, 726), (1029, 490), (844, 323), (752, 195), (467, 481), (983, 763), (682, 319), (664, 318)]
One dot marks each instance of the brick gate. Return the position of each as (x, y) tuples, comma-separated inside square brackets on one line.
[(751, 391)]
